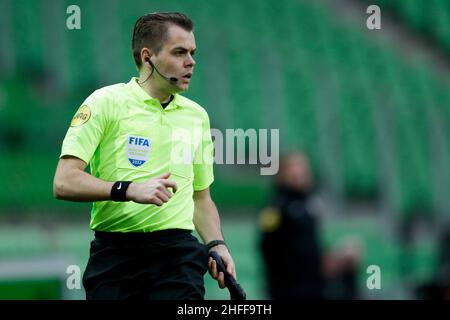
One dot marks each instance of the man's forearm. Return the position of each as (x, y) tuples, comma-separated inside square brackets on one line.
[(207, 220), (78, 185), (207, 223)]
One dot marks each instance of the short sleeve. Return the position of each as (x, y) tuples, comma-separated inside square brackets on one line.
[(204, 158), (86, 129)]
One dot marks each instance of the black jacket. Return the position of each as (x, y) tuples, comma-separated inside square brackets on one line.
[(291, 249)]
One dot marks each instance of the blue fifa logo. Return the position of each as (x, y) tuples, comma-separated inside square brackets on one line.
[(138, 150)]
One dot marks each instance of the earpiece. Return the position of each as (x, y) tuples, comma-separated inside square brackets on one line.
[(172, 80)]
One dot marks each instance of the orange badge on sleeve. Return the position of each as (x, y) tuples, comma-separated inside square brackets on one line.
[(81, 117)]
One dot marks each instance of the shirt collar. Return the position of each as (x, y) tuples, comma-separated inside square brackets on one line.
[(145, 97)]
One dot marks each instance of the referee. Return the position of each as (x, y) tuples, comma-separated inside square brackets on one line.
[(150, 174)]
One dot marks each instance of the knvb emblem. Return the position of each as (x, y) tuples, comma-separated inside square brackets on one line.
[(138, 150)]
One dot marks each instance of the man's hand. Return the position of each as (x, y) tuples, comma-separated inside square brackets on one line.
[(153, 191), (227, 260)]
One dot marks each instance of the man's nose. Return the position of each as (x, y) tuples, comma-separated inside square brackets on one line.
[(190, 62)]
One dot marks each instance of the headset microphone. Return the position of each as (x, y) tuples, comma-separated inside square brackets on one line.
[(172, 80)]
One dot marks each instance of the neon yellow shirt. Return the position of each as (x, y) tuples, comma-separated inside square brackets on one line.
[(124, 134)]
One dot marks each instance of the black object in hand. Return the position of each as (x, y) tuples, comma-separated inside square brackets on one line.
[(235, 289)]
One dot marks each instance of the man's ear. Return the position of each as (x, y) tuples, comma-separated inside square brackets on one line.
[(146, 54)]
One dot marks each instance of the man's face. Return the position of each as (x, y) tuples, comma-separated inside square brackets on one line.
[(175, 59), (295, 173)]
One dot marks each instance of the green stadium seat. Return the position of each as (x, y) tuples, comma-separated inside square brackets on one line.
[(255, 58)]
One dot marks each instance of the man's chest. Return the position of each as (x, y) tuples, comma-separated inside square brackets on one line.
[(144, 139)]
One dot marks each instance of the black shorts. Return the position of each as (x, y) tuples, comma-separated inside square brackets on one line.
[(160, 265)]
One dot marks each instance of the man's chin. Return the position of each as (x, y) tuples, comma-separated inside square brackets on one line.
[(182, 87)]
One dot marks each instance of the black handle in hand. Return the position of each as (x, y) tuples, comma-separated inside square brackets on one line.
[(235, 289)]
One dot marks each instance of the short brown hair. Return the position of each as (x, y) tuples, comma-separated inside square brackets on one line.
[(150, 31)]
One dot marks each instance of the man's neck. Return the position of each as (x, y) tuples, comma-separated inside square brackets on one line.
[(153, 91)]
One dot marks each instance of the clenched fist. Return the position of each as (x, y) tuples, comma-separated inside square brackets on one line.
[(153, 191)]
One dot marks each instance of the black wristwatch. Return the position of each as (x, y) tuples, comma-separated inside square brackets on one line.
[(214, 243), (119, 191)]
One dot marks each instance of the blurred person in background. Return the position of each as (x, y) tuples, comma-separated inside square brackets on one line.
[(296, 266), (146, 201), (341, 266), (290, 243)]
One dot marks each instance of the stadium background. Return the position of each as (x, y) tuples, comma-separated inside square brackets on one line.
[(370, 109)]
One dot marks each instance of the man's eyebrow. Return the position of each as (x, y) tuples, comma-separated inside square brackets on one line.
[(183, 49)]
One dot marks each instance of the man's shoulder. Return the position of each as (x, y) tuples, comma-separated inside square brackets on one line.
[(109, 91), (104, 99), (191, 104)]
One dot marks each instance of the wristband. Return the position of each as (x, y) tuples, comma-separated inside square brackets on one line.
[(119, 191), (214, 243)]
